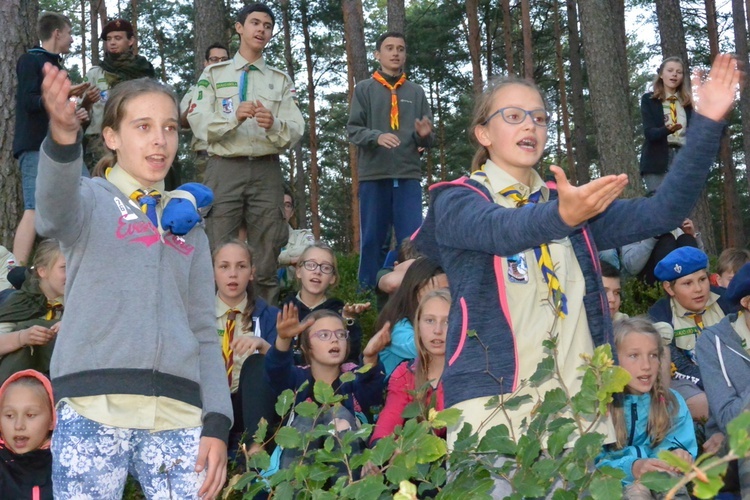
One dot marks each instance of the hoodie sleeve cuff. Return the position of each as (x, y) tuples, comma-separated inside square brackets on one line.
[(63, 153), (217, 426)]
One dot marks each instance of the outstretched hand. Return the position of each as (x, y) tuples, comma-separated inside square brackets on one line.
[(63, 122), (716, 95), (580, 203), (376, 344), (288, 325)]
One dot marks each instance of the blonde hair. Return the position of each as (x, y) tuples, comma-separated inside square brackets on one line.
[(683, 90), (46, 254), (732, 259), (663, 406), (422, 364), (114, 112), (483, 109), (321, 246)]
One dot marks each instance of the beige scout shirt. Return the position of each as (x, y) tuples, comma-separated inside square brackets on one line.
[(195, 143), (217, 97), (96, 77), (684, 330), (135, 411), (531, 315), (221, 321)]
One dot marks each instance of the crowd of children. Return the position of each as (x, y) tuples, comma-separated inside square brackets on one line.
[(163, 363)]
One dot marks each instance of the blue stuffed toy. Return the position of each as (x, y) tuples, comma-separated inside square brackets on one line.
[(181, 215)]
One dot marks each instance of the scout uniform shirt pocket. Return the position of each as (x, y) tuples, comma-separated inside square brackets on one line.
[(270, 97), (227, 97)]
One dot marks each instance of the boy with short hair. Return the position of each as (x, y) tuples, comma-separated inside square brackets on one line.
[(246, 111), (215, 53), (613, 289), (730, 262), (120, 64), (31, 118), (390, 122)]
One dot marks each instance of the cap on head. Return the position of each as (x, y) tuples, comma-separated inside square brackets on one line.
[(739, 287), (681, 262), (117, 25)]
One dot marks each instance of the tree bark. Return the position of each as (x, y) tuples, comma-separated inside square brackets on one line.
[(312, 124), (528, 47), (97, 15), (134, 22), (441, 133), (83, 37), (564, 98), (18, 18), (396, 15), (741, 51), (356, 64), (210, 26), (577, 103), (608, 81), (508, 36), (671, 31), (474, 41), (713, 29)]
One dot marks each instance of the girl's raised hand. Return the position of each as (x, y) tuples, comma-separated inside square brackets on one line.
[(63, 122), (715, 96), (580, 203), (376, 344), (287, 322)]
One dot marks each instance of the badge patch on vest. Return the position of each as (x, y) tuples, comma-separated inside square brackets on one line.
[(227, 106), (518, 271)]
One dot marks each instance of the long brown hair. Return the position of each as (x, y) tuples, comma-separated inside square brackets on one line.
[(683, 91), (422, 364), (663, 406), (114, 112), (247, 314), (483, 109)]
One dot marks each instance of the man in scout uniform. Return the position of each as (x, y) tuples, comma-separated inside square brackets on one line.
[(119, 65), (390, 122), (215, 53), (245, 110)]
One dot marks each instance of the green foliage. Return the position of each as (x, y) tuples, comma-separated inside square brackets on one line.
[(637, 296)]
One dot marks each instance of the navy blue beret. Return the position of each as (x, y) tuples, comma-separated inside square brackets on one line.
[(681, 262), (739, 287)]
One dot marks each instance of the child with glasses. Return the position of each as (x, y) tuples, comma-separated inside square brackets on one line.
[(317, 271), (324, 341), (521, 255)]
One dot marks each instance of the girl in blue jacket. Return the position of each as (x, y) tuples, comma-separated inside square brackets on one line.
[(647, 416)]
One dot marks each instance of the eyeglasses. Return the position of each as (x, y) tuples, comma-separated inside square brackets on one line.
[(311, 265), (214, 60), (514, 116), (326, 335)]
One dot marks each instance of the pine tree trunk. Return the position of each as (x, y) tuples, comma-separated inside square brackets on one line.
[(741, 50), (83, 36), (396, 15), (608, 81), (572, 174), (134, 22), (474, 41), (209, 26), (441, 133), (97, 16), (577, 103), (297, 165), (356, 64), (508, 36), (528, 48), (671, 31), (312, 124), (18, 19)]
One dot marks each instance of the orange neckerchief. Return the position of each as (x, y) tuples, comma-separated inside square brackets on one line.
[(394, 98)]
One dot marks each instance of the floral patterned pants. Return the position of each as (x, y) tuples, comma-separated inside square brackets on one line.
[(92, 460)]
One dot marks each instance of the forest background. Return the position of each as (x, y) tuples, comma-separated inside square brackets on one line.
[(591, 64)]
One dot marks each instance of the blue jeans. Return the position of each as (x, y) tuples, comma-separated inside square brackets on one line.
[(29, 163), (385, 204), (92, 460)]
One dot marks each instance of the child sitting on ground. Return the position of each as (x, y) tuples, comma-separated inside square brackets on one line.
[(647, 417), (26, 424)]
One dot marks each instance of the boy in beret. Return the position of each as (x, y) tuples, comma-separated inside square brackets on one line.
[(690, 307), (120, 64)]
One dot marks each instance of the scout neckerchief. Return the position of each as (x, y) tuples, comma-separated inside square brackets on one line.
[(394, 98), (672, 109), (243, 80), (53, 307), (543, 257), (148, 200), (226, 342)]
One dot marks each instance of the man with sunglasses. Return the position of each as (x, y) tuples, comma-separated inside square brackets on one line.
[(390, 122), (246, 112), (215, 53)]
